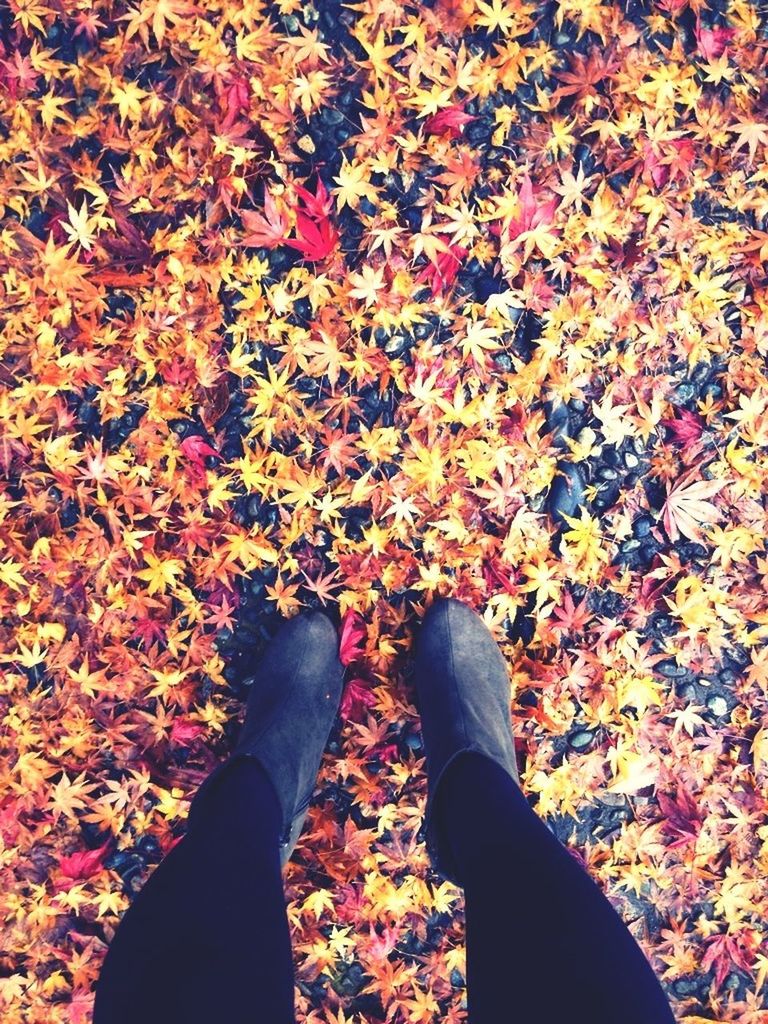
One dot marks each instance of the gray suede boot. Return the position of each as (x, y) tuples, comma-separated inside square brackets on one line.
[(463, 692), (291, 709)]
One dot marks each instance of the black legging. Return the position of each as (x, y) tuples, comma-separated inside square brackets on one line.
[(206, 941)]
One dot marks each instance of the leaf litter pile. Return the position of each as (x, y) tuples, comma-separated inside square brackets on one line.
[(290, 292)]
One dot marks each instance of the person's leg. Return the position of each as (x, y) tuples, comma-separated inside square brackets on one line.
[(543, 942), (207, 938)]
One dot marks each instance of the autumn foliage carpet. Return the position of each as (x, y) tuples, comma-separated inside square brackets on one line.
[(285, 288)]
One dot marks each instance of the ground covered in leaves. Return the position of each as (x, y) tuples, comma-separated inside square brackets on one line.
[(286, 289)]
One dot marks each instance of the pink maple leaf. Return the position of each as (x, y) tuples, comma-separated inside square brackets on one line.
[(184, 732), (380, 946), (195, 449), (449, 121), (712, 42), (267, 230), (532, 213)]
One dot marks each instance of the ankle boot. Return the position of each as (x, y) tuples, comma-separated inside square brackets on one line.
[(463, 693), (292, 705)]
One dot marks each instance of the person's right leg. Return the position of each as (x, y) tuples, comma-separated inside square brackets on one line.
[(207, 939), (543, 942)]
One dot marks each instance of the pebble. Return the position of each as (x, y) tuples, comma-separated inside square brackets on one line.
[(631, 460), (607, 496), (397, 344), (683, 987), (717, 705), (581, 740), (566, 495), (671, 669), (685, 392)]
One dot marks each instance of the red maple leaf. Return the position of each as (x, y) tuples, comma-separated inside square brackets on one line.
[(571, 616), (234, 98), (184, 732), (683, 816), (352, 637), (443, 271), (148, 630), (386, 752), (626, 253), (532, 212), (687, 427), (319, 205), (495, 576), (80, 865), (315, 239), (449, 121), (195, 449), (356, 698)]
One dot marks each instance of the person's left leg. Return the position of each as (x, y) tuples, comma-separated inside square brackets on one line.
[(207, 938)]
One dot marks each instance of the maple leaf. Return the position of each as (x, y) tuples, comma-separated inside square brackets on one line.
[(571, 617), (367, 284), (268, 230), (532, 226), (441, 272), (712, 42), (323, 585), (160, 573), (195, 449), (314, 239), (353, 185), (683, 817), (460, 174), (585, 73), (356, 698), (380, 946), (724, 952), (449, 121), (751, 134), (148, 630), (352, 637), (67, 796), (686, 427), (632, 770), (160, 13), (319, 205), (686, 507), (83, 863), (495, 15), (183, 732)]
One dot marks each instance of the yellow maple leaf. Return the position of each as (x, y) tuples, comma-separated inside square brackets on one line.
[(160, 573)]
